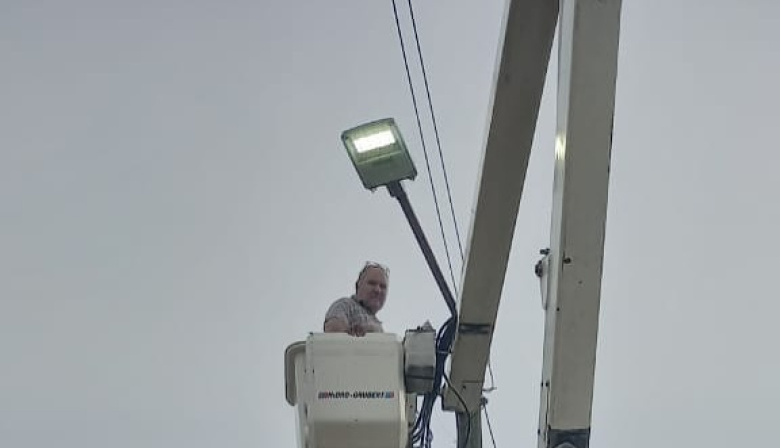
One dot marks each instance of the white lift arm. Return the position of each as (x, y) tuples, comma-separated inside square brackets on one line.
[(589, 34), (528, 32), (586, 89)]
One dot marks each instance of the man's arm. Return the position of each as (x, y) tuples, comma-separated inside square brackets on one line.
[(335, 325), (337, 320)]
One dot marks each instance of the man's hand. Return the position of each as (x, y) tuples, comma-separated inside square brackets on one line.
[(357, 330)]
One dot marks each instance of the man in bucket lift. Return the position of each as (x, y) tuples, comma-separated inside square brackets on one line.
[(356, 315)]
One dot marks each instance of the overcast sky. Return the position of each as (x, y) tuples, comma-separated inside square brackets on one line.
[(176, 208)]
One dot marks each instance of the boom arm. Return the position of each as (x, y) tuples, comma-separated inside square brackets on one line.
[(586, 90), (529, 28), (589, 32)]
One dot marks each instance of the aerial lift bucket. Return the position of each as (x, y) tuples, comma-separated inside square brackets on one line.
[(349, 391)]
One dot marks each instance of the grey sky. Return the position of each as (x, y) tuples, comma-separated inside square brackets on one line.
[(176, 208)]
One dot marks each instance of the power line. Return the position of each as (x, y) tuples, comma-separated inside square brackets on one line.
[(421, 433), (436, 131), (465, 409), (422, 426), (487, 420), (444, 171), (422, 140)]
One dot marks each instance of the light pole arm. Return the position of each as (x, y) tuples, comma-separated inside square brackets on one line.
[(397, 191)]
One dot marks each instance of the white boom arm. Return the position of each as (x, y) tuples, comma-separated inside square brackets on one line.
[(589, 31), (586, 90), (529, 28)]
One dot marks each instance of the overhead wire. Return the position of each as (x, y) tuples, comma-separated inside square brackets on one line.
[(490, 427), (492, 386), (422, 139), (449, 197), (421, 434), (435, 129)]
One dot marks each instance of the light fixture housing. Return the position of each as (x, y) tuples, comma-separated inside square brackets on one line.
[(378, 153)]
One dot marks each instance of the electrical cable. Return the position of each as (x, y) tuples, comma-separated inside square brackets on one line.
[(421, 433), (490, 427), (466, 411), (492, 386), (435, 129), (422, 140)]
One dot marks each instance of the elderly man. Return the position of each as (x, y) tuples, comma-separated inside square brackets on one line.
[(356, 315)]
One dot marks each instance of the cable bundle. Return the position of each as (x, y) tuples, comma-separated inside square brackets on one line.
[(422, 435)]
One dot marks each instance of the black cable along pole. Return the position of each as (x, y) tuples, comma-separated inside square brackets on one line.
[(397, 191)]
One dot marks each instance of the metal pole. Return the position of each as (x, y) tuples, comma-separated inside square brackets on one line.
[(397, 191)]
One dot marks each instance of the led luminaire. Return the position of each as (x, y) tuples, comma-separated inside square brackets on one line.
[(378, 153), (378, 140)]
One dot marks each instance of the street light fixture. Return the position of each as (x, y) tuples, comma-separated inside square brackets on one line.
[(379, 153)]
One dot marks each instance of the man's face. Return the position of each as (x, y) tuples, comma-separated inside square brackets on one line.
[(372, 289)]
